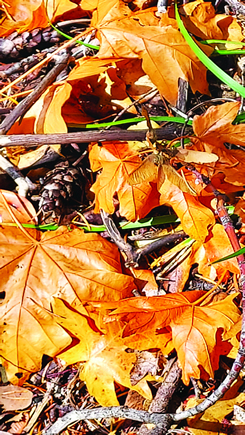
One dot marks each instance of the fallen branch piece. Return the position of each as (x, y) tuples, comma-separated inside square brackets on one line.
[(110, 412), (169, 132)]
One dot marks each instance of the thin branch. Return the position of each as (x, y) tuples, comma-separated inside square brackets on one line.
[(100, 413), (169, 132), (25, 104)]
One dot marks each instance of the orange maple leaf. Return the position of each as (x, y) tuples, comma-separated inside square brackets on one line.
[(196, 328), (26, 15), (201, 20), (196, 219), (165, 54), (104, 355), (212, 130), (35, 267), (117, 161)]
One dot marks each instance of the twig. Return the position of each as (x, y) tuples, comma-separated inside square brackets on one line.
[(168, 132), (118, 240), (162, 399), (110, 412), (240, 359), (16, 175), (153, 91), (159, 243), (236, 6), (25, 104)]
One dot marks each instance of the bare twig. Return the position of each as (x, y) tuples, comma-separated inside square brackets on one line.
[(16, 175), (118, 240), (99, 413), (162, 399), (236, 6), (168, 132), (25, 104)]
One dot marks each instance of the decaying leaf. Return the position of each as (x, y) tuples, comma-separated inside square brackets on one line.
[(215, 125), (201, 20), (13, 397), (164, 52)]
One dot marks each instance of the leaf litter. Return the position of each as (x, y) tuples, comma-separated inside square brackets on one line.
[(74, 315)]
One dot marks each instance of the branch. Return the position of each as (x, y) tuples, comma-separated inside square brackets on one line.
[(113, 411), (25, 104), (169, 132)]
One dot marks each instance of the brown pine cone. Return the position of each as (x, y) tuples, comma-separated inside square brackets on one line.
[(17, 45), (60, 186)]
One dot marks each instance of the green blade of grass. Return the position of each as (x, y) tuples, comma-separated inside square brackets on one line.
[(228, 52), (222, 41), (235, 254), (218, 72), (176, 119), (93, 47)]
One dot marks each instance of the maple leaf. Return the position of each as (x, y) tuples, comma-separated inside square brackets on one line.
[(23, 15), (201, 20), (165, 54), (216, 245), (26, 15), (104, 355), (215, 125), (212, 130), (37, 266), (117, 161), (196, 329), (196, 219)]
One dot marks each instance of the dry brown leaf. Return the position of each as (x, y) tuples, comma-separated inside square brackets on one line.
[(117, 161), (44, 117), (215, 125), (26, 15), (13, 398), (37, 266), (216, 246)]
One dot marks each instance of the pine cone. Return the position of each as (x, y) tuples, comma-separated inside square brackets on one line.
[(16, 46), (59, 187)]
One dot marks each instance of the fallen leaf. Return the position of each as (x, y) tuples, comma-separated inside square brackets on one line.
[(117, 161), (104, 355), (35, 267), (215, 247), (45, 116), (165, 54), (23, 15), (13, 398), (196, 329), (215, 125), (201, 20), (210, 422), (196, 219), (191, 156)]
